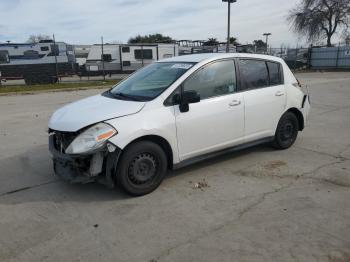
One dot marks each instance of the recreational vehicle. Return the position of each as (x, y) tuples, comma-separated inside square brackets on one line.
[(117, 58), (81, 53), (36, 63)]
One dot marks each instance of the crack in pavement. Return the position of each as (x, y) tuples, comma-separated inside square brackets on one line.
[(332, 110), (249, 208), (262, 198), (323, 153), (27, 188)]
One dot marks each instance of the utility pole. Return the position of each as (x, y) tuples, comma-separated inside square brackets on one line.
[(55, 51), (229, 2), (103, 60), (267, 39)]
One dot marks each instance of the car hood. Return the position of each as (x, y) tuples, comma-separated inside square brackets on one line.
[(91, 110)]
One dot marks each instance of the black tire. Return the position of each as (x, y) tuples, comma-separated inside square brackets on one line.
[(44, 79), (54, 80), (286, 132), (29, 80), (141, 168)]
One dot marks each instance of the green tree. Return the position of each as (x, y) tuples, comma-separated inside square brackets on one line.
[(260, 44), (211, 42), (320, 19), (152, 38), (234, 41)]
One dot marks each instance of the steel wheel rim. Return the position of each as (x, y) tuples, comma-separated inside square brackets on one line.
[(287, 132), (142, 169)]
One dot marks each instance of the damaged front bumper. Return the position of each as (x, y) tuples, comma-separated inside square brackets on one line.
[(99, 166)]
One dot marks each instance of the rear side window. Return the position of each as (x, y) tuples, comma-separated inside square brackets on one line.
[(215, 79), (275, 73), (254, 73), (143, 54)]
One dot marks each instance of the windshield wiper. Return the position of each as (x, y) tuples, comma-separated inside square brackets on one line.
[(122, 95)]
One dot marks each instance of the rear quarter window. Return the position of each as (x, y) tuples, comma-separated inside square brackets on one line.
[(275, 73)]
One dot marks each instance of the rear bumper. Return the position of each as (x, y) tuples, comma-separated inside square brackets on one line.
[(99, 166), (305, 108)]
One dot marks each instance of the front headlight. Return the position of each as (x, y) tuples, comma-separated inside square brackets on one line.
[(91, 139)]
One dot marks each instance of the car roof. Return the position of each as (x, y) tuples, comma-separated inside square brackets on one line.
[(197, 58)]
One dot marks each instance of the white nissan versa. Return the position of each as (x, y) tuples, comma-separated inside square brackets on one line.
[(175, 112)]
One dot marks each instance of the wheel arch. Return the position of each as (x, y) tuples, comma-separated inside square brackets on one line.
[(160, 141), (299, 116)]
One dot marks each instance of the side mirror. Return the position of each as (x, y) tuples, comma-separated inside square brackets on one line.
[(188, 97), (191, 97)]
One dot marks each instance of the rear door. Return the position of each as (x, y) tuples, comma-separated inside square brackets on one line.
[(264, 96)]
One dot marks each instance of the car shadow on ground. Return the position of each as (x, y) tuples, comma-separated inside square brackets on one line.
[(29, 177), (263, 148)]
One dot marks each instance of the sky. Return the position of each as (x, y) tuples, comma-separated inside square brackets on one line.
[(85, 21)]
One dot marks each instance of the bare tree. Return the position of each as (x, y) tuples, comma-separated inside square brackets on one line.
[(37, 38), (320, 19)]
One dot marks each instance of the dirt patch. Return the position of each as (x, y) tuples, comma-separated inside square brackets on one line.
[(339, 258), (200, 185), (272, 165)]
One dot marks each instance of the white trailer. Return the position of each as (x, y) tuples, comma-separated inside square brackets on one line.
[(117, 58), (36, 62)]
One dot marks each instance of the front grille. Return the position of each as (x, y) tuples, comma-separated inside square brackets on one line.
[(62, 140)]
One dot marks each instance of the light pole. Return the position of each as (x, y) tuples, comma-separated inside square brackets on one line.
[(103, 60), (229, 2), (267, 39), (56, 52)]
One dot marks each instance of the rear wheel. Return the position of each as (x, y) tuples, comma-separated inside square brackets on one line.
[(142, 168), (287, 131)]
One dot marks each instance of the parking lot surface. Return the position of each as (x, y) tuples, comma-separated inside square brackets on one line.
[(258, 204)]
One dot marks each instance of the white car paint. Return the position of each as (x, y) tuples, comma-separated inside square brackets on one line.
[(263, 114), (210, 125), (91, 110)]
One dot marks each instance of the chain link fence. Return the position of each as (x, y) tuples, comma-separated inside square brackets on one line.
[(116, 61)]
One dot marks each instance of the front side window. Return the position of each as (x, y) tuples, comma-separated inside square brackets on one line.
[(44, 48), (254, 73), (149, 82), (216, 79), (31, 54), (275, 73), (4, 57), (143, 54)]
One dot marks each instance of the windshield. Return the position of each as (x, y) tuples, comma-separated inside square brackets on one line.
[(149, 82)]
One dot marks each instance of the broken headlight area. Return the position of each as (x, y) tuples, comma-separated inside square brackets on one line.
[(94, 165)]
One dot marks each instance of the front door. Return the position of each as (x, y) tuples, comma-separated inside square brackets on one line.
[(217, 121)]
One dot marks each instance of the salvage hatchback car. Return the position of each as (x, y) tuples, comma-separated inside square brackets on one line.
[(175, 112)]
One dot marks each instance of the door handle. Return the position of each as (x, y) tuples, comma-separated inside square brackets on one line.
[(279, 93), (235, 103)]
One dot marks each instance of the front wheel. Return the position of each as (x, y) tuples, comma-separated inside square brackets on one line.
[(286, 132), (142, 168)]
